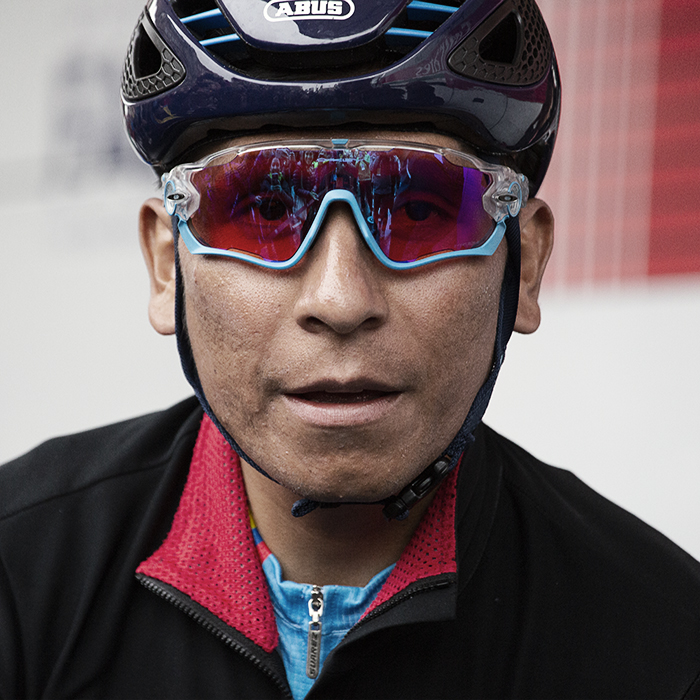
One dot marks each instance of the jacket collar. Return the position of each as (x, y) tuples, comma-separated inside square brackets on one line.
[(209, 553)]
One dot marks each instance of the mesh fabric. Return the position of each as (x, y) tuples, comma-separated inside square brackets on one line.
[(210, 553)]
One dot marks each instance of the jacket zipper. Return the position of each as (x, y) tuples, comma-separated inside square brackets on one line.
[(313, 652), (399, 598), (315, 624), (182, 605)]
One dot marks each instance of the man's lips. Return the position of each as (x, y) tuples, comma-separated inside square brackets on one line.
[(332, 403), (335, 397), (362, 388)]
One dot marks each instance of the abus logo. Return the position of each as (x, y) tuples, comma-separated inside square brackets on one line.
[(282, 10)]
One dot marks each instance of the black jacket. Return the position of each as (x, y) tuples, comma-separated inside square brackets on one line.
[(559, 594)]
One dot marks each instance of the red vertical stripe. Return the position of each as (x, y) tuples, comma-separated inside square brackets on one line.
[(674, 243)]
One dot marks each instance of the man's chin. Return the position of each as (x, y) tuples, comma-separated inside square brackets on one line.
[(364, 494)]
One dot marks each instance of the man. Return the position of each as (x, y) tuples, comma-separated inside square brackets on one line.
[(345, 242)]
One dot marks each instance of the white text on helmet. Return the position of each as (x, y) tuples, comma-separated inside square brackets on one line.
[(281, 10)]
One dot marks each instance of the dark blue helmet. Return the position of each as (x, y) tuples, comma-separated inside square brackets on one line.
[(481, 70)]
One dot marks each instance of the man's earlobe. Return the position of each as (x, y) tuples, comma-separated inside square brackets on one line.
[(158, 248), (537, 238)]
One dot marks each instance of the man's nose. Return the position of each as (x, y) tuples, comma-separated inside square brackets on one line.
[(343, 286)]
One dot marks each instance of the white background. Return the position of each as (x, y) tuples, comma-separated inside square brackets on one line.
[(609, 387)]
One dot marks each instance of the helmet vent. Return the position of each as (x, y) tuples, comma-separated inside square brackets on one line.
[(416, 23), (146, 59), (184, 8), (150, 67), (500, 45), (211, 29), (511, 47)]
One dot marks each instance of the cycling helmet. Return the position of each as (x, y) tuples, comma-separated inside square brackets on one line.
[(484, 71)]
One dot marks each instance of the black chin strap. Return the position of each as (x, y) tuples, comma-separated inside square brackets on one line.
[(397, 506)]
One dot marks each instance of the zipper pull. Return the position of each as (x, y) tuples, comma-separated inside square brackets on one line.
[(313, 654)]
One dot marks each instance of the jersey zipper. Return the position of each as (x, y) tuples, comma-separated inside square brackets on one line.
[(313, 652), (181, 602)]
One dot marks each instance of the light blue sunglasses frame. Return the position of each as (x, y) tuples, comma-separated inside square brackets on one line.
[(504, 199)]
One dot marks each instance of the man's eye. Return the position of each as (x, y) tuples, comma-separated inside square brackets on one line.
[(419, 210), (272, 209)]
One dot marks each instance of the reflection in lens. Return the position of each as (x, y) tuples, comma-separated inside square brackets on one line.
[(416, 203)]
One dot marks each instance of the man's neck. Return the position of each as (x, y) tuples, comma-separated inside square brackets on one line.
[(346, 545)]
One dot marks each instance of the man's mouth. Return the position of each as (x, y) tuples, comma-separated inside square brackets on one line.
[(341, 397), (331, 403)]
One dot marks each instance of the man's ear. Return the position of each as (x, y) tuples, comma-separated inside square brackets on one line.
[(537, 238), (158, 248)]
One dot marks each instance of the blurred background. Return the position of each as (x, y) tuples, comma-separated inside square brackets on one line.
[(609, 387)]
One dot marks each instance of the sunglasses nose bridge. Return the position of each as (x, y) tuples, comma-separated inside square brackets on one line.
[(344, 196)]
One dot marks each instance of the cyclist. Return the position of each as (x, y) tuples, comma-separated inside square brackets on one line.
[(347, 235)]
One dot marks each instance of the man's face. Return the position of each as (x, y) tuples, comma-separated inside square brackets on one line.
[(342, 378)]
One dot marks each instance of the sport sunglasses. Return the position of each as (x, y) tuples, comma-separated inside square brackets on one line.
[(414, 204)]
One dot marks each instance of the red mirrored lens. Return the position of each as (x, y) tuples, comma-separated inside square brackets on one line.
[(416, 204), (251, 205), (429, 206)]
